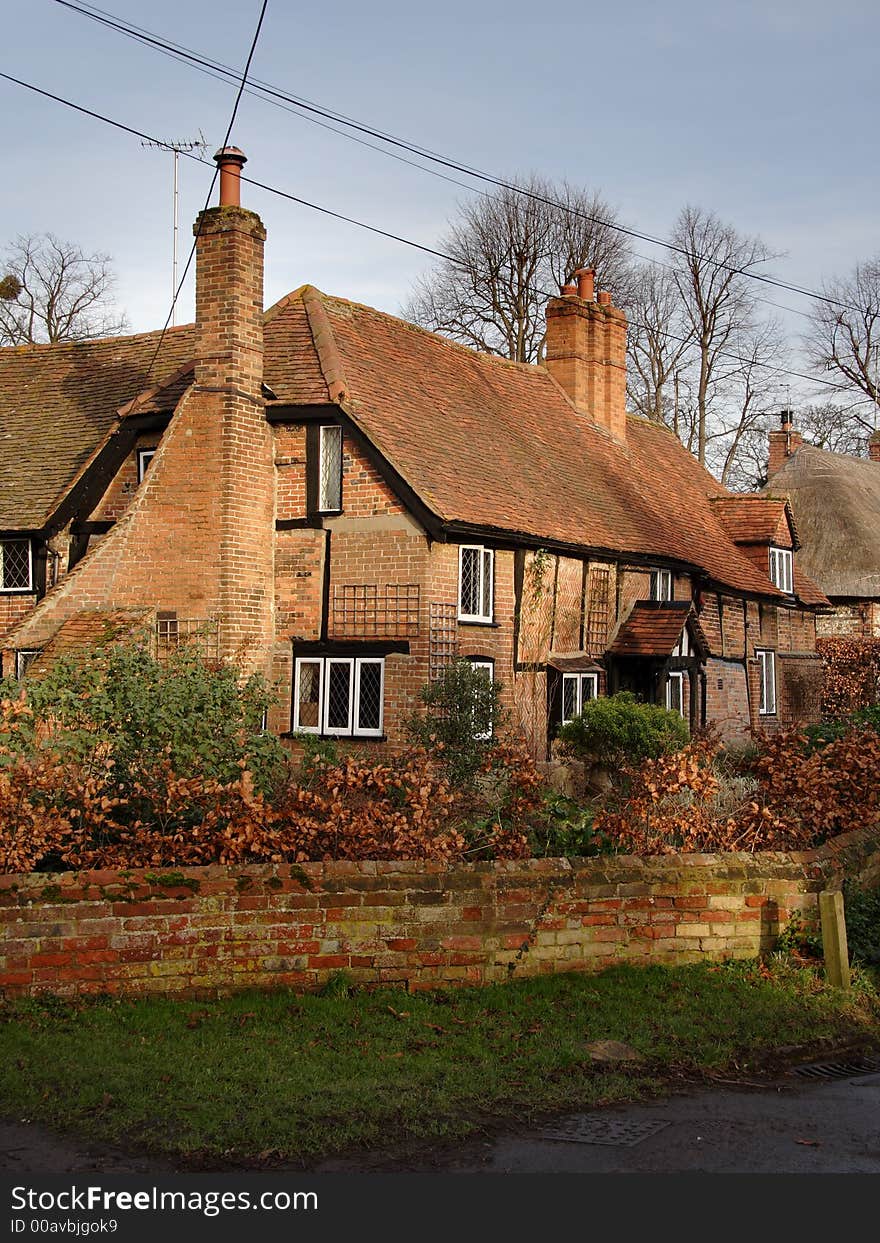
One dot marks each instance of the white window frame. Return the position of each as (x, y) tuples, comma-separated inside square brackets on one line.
[(144, 458), (486, 558), (30, 582), (489, 666), (767, 703), (323, 434), (300, 661), (579, 679), (660, 580), (782, 569), (24, 657), (678, 676), (351, 729)]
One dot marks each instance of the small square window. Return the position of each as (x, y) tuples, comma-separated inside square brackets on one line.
[(661, 584), (767, 702), (24, 657), (781, 571), (475, 583), (330, 470), (16, 565)]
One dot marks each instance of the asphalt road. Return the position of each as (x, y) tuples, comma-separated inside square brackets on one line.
[(790, 1126)]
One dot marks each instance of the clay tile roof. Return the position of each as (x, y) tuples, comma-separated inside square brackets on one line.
[(494, 444), (84, 630), (653, 629), (756, 519), (837, 502), (59, 402)]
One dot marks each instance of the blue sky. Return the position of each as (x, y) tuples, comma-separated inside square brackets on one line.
[(760, 111)]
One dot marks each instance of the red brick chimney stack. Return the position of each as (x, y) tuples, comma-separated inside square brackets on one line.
[(874, 447), (782, 444), (586, 352)]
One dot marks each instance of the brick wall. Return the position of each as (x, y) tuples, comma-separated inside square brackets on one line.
[(13, 608), (202, 930)]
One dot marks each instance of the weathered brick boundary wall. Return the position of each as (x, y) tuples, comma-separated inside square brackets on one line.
[(211, 929)]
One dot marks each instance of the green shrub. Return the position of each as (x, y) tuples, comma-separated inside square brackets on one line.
[(117, 705), (462, 712), (566, 830), (862, 911), (617, 729)]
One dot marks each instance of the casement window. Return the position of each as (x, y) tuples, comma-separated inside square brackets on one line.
[(476, 567), (767, 701), (678, 692), (661, 584), (330, 469), (145, 457), (341, 696), (23, 658), (781, 574), (16, 565), (577, 690), (483, 728)]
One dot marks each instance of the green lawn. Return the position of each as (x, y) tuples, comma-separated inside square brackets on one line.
[(308, 1076)]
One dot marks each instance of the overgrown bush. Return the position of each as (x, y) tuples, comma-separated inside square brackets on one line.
[(116, 707), (617, 729), (461, 716)]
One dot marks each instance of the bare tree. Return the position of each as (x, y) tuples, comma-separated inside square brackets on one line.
[(710, 265), (658, 340), (844, 336), (507, 253), (751, 384), (53, 291)]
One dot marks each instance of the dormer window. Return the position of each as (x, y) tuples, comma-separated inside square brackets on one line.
[(475, 583), (661, 584), (781, 573), (330, 469)]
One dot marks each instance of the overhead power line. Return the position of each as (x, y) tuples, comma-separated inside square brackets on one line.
[(201, 216), (305, 106), (371, 228)]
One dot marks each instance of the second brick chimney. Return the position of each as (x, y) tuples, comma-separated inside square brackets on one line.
[(782, 444), (586, 352), (874, 447)]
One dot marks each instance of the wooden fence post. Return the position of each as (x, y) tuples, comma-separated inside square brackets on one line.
[(834, 945)]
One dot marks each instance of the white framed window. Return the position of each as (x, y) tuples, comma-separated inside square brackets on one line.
[(16, 565), (476, 566), (577, 689), (767, 701), (145, 457), (23, 658), (677, 699), (661, 584), (340, 696), (781, 571), (483, 729), (330, 469)]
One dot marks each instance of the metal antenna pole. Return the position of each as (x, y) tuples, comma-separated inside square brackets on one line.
[(175, 148)]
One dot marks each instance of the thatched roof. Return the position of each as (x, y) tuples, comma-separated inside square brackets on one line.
[(836, 502)]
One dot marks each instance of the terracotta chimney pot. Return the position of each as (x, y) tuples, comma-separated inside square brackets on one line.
[(230, 161), (586, 283), (604, 298)]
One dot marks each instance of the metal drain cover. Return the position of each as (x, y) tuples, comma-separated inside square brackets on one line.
[(839, 1070), (583, 1129)]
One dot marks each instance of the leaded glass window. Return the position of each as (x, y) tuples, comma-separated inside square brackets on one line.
[(475, 583), (330, 469)]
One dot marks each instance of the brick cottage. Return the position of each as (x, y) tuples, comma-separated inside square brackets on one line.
[(346, 503)]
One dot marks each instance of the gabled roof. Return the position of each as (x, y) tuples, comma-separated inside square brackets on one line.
[(837, 502), (756, 519), (483, 443), (59, 402), (654, 628), (489, 443)]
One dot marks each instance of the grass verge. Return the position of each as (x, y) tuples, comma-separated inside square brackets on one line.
[(294, 1078)]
